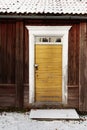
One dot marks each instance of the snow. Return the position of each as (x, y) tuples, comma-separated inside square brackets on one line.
[(21, 121), (54, 114), (44, 6)]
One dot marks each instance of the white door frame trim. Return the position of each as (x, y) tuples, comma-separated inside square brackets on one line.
[(61, 31)]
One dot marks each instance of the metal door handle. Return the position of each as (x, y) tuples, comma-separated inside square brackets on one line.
[(36, 66)]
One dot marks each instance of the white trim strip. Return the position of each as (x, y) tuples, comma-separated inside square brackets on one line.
[(49, 43)]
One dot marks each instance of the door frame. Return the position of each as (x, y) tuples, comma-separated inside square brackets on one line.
[(61, 31)]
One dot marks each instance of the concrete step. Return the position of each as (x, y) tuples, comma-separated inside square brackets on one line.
[(53, 114)]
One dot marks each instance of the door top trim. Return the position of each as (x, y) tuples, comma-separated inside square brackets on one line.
[(46, 28)]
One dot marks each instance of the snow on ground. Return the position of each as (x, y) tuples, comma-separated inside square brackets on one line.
[(21, 121)]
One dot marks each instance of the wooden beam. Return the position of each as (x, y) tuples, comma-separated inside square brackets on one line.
[(19, 65), (0, 55), (83, 67)]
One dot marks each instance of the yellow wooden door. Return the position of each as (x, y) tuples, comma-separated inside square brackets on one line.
[(48, 73)]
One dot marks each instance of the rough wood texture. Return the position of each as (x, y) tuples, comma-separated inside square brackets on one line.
[(48, 74), (11, 61), (19, 64), (7, 95), (26, 67), (83, 67), (73, 66), (7, 63), (73, 56), (7, 51), (26, 95), (14, 61), (73, 96), (26, 56)]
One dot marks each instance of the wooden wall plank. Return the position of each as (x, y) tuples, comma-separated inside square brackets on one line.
[(73, 54), (83, 67), (0, 55), (9, 52), (73, 96), (26, 95), (11, 58), (7, 95), (3, 52), (7, 91), (7, 58), (77, 52), (20, 68), (26, 67), (13, 39), (26, 56), (17, 67), (19, 64), (73, 66)]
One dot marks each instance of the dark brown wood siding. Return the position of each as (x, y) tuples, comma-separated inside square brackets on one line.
[(73, 66), (14, 61), (7, 63), (13, 64), (83, 67), (26, 67)]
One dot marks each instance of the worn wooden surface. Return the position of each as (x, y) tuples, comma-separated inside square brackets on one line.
[(14, 61), (73, 66), (13, 49), (26, 68), (48, 74), (19, 64), (73, 96), (7, 63), (83, 67)]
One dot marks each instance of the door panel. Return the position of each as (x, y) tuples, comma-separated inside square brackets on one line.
[(48, 72)]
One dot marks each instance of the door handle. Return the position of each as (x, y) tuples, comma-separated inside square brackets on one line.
[(36, 66)]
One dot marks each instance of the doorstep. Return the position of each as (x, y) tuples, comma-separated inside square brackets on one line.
[(53, 114)]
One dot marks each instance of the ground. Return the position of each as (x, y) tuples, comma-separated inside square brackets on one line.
[(21, 121)]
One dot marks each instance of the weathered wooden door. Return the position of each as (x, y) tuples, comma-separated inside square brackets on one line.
[(48, 72)]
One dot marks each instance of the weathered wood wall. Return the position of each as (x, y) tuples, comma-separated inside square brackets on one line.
[(83, 67), (73, 66), (13, 64), (7, 63), (14, 61)]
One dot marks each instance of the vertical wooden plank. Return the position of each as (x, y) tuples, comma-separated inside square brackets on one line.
[(83, 67), (19, 64), (16, 63), (13, 51), (77, 53), (9, 51), (0, 54), (7, 40), (26, 68), (4, 52), (71, 54), (73, 96), (73, 67), (7, 96), (26, 57)]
